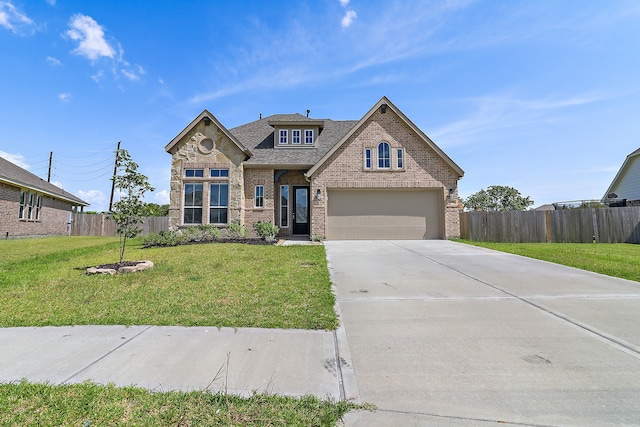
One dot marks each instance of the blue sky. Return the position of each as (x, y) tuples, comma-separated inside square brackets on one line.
[(543, 96)]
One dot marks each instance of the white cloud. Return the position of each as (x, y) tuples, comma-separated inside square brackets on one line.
[(90, 35), (161, 197), (54, 61), (98, 76), (348, 18), (65, 97), (51, 2), (134, 73), (57, 184), (13, 19), (495, 114), (16, 159), (344, 3), (95, 198)]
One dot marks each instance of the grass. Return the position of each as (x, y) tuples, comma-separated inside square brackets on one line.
[(43, 282), (88, 404), (613, 259)]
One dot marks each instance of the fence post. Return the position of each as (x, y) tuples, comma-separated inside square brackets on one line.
[(596, 234), (547, 225)]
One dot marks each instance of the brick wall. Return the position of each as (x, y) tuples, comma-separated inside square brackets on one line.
[(54, 216), (424, 168), (253, 177)]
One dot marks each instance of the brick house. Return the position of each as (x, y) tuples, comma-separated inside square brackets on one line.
[(31, 206), (379, 177)]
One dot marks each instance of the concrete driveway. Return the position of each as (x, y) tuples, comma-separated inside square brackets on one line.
[(442, 333)]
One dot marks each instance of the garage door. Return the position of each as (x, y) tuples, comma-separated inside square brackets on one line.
[(384, 214)]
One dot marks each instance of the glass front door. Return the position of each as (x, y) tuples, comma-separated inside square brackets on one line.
[(301, 210)]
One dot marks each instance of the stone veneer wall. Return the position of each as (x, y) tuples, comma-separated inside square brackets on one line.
[(423, 169), (225, 154), (54, 216)]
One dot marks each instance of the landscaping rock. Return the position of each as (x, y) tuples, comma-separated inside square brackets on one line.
[(121, 267)]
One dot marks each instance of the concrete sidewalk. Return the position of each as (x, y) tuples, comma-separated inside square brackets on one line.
[(289, 362)]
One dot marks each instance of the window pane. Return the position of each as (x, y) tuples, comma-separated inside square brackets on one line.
[(193, 194), (215, 173), (400, 158), (218, 216), (259, 196), (308, 136), (219, 194), (284, 206), (383, 155)]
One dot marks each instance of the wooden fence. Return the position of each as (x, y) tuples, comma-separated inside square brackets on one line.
[(603, 225), (99, 225)]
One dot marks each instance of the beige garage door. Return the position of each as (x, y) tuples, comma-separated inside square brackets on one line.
[(384, 214)]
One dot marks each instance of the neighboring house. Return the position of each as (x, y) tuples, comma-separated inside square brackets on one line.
[(31, 206), (625, 188), (379, 177)]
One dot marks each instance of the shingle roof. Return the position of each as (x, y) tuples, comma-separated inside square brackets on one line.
[(16, 175), (258, 137)]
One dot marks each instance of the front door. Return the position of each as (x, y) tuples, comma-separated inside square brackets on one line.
[(301, 210)]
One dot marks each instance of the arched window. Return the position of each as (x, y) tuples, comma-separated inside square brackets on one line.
[(384, 156)]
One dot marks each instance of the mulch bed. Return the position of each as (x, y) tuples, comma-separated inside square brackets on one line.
[(117, 265)]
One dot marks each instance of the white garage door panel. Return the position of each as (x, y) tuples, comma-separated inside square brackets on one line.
[(384, 214)]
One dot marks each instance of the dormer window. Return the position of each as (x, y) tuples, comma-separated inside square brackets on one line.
[(308, 136), (284, 134), (295, 136)]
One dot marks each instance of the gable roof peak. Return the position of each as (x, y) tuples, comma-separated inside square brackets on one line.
[(208, 118), (383, 105)]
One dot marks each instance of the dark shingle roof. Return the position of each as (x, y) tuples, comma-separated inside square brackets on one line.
[(16, 175), (258, 137)]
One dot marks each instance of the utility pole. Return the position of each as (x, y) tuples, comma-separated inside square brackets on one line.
[(49, 173), (113, 180)]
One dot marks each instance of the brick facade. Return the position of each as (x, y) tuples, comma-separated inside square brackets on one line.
[(253, 214), (423, 168), (53, 221)]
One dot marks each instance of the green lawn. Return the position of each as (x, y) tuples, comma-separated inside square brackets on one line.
[(613, 259), (89, 404), (43, 282)]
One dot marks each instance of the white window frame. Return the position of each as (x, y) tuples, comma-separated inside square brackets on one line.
[(296, 139), (196, 173), (368, 159), (258, 196), (30, 206), (283, 137), (284, 224), (222, 172), (309, 136), (184, 202), (384, 162), (212, 206), (400, 158)]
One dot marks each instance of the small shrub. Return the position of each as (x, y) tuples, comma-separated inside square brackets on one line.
[(238, 231), (163, 238), (266, 230), (189, 234), (317, 238), (209, 232)]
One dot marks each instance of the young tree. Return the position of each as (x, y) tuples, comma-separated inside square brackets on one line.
[(497, 198), (132, 185)]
